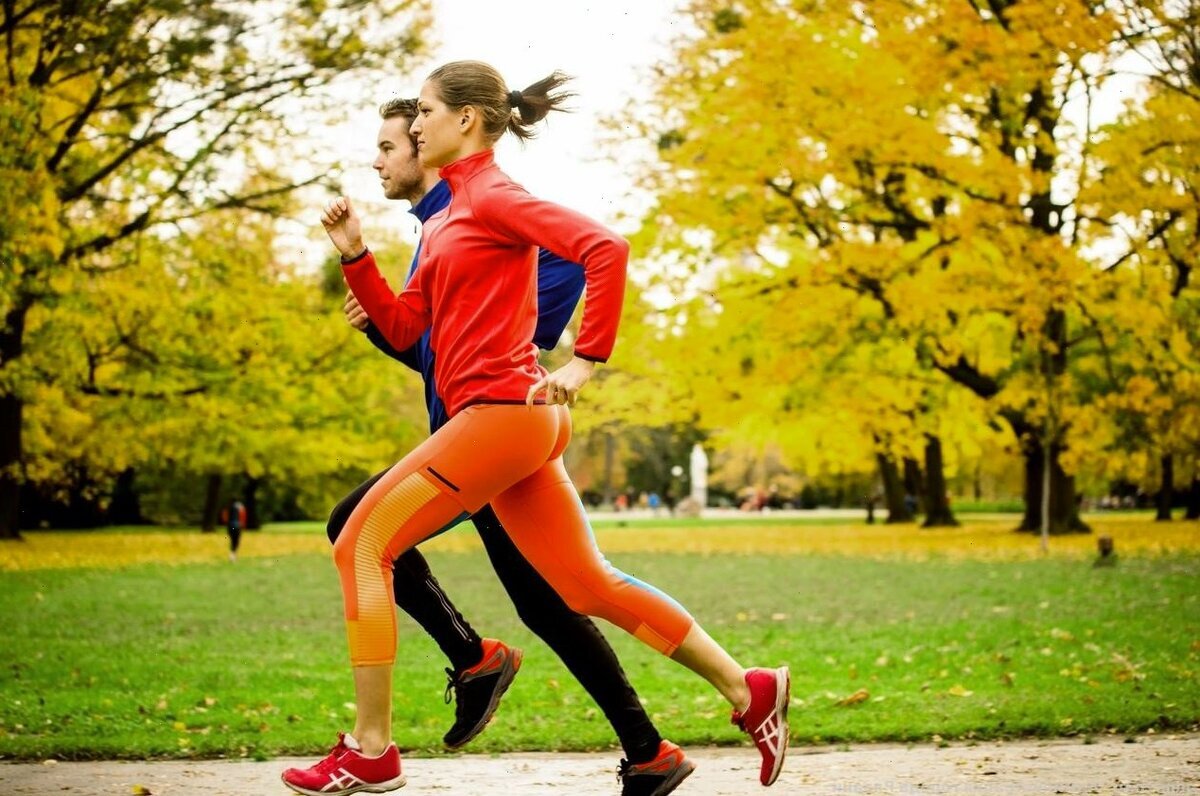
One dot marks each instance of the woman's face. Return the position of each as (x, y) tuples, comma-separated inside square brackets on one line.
[(437, 129)]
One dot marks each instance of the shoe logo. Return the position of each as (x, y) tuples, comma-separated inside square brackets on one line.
[(772, 734), (346, 780)]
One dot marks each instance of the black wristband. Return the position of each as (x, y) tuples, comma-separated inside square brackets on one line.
[(347, 260)]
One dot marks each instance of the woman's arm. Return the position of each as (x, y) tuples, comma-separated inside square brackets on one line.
[(400, 319), (512, 213)]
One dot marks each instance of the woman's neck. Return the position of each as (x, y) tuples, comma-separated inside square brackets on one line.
[(471, 147)]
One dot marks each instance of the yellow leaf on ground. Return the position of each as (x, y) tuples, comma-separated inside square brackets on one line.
[(861, 695)]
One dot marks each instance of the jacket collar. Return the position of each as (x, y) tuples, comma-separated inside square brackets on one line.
[(463, 169), (437, 198)]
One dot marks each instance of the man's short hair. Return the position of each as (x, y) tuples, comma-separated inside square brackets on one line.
[(399, 107)]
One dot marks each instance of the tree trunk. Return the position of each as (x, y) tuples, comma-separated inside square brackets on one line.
[(125, 508), (893, 491), (1064, 507), (610, 457), (1193, 501), (937, 502), (914, 484), (212, 504), (1166, 489), (250, 500), (11, 408)]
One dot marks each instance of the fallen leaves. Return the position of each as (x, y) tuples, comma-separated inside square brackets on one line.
[(858, 697), (991, 541)]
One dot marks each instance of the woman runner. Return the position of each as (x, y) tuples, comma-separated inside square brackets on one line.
[(475, 289)]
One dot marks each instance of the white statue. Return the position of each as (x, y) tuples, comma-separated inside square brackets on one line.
[(699, 473)]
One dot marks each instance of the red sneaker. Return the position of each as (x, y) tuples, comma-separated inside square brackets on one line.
[(766, 717), (347, 770)]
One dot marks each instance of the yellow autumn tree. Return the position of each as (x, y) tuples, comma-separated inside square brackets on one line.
[(929, 159), (1144, 206), (210, 359), (122, 119)]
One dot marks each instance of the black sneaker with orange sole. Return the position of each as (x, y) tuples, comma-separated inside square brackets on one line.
[(476, 691), (656, 777)]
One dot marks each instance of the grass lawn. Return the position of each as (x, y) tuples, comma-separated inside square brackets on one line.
[(133, 645)]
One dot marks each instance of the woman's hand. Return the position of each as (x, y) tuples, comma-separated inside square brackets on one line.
[(344, 228), (564, 384)]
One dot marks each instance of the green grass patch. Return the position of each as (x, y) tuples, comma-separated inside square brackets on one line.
[(206, 660), (988, 506), (639, 523)]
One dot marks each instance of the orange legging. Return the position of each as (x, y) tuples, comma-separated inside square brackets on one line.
[(509, 455)]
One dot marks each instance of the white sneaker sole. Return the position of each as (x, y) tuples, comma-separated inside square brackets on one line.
[(375, 787), (783, 697)]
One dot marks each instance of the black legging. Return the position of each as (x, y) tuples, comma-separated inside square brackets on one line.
[(573, 637)]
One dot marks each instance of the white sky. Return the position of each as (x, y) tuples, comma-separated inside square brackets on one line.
[(606, 45)]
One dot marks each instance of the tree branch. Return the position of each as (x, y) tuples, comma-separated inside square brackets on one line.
[(964, 373), (1156, 233), (824, 236), (71, 193), (121, 392), (75, 127), (1105, 351), (102, 242)]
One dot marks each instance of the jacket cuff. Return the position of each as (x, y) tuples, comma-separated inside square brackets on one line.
[(591, 358), (356, 257)]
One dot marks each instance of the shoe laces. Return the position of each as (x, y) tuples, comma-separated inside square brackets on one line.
[(453, 681), (623, 769), (738, 719), (330, 760)]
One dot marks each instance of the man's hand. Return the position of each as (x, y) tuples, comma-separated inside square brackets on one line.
[(563, 385), (356, 316), (342, 225)]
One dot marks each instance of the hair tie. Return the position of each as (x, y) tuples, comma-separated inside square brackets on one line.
[(514, 99)]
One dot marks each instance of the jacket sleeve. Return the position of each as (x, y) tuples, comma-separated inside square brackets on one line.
[(400, 319), (406, 357), (560, 285), (511, 212)]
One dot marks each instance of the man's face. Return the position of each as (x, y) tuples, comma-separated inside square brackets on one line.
[(397, 163)]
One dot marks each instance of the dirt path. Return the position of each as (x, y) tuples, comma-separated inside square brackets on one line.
[(1152, 765)]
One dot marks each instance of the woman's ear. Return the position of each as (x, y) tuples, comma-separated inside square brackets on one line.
[(467, 117)]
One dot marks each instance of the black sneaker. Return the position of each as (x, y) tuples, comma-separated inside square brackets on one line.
[(477, 691), (657, 777)]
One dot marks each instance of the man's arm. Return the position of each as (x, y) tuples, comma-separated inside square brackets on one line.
[(406, 357), (356, 316), (560, 285)]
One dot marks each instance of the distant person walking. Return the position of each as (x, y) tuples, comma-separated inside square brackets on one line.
[(234, 517)]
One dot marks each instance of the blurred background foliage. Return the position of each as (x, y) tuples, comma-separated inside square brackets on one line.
[(893, 256)]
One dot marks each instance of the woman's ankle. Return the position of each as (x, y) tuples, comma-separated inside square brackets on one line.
[(371, 744)]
